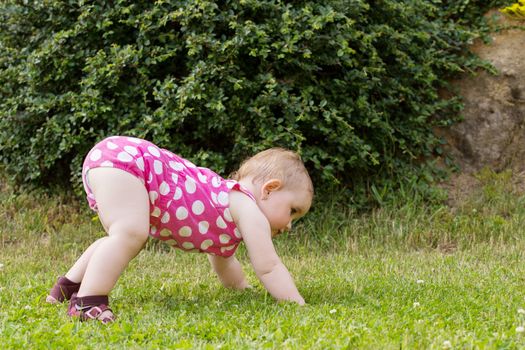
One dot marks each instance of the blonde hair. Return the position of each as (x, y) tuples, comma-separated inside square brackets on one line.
[(276, 163)]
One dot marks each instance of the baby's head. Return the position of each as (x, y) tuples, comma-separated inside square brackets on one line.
[(283, 188)]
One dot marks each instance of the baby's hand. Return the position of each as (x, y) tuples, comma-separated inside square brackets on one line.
[(299, 301)]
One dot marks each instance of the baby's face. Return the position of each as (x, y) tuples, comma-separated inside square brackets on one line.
[(284, 206)]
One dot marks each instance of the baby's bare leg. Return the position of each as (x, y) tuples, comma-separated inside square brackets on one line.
[(123, 207), (76, 272)]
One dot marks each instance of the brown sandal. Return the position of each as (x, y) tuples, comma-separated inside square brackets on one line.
[(62, 290), (91, 308)]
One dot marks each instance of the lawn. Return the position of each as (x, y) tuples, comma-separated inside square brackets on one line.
[(406, 276)]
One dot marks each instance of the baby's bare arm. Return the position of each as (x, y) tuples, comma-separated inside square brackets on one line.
[(256, 234), (229, 271)]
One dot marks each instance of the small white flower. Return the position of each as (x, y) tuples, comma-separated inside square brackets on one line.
[(417, 304), (333, 311), (521, 311), (520, 329), (420, 281), (27, 307), (447, 344), (1, 266)]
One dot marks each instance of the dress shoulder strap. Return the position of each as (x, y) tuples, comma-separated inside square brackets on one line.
[(234, 185)]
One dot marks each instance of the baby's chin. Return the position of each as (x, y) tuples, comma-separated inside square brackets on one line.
[(275, 233)]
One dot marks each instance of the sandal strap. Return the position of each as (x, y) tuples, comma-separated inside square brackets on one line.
[(62, 290), (95, 313)]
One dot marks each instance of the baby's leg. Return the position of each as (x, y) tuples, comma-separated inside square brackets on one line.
[(123, 207), (76, 272)]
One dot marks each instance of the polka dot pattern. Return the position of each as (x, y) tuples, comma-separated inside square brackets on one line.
[(188, 204), (95, 155), (197, 207), (124, 157)]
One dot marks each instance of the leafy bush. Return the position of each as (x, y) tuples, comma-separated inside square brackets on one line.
[(351, 85)]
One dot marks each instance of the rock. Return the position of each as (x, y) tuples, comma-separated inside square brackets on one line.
[(493, 131)]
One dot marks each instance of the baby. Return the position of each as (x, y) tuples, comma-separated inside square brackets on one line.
[(141, 190)]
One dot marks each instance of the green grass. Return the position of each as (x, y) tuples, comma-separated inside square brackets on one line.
[(412, 277)]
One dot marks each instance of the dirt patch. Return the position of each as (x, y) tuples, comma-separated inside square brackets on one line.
[(492, 133)]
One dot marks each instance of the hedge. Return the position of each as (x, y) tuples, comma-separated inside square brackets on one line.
[(351, 85)]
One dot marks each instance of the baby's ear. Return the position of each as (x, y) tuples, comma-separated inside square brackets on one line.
[(270, 186)]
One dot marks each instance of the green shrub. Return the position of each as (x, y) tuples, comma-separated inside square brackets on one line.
[(351, 85)]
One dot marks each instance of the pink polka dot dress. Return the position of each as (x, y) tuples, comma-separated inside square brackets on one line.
[(188, 204)]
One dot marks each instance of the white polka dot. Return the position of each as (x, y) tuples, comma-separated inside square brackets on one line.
[(95, 155), (171, 242), (153, 195), (164, 188), (111, 145), (168, 204), (185, 231), (156, 212), (230, 184), (190, 185), (214, 197), (216, 182), (225, 249), (203, 227), (131, 150), (168, 153), (106, 163), (189, 164), (202, 178), (227, 215), (134, 140), (124, 157), (165, 232), (140, 163), (157, 165), (178, 193), (153, 230), (224, 238), (188, 245), (176, 165), (175, 178), (223, 198), (165, 218), (197, 208), (150, 177), (206, 244), (220, 222), (237, 233), (181, 213), (154, 151)]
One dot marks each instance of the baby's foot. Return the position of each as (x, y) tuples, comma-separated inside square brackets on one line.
[(62, 290), (102, 312)]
